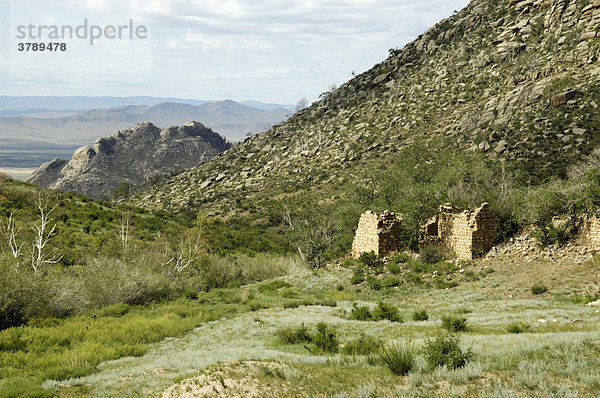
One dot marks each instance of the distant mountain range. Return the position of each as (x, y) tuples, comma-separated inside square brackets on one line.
[(33, 105), (24, 132)]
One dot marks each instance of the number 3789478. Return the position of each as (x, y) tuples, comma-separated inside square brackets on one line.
[(42, 46)]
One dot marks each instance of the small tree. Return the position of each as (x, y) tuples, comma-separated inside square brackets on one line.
[(43, 229), (122, 190), (330, 90), (9, 234), (312, 232), (124, 229), (303, 103)]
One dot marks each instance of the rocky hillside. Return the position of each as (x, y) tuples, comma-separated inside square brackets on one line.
[(516, 79), (133, 156)]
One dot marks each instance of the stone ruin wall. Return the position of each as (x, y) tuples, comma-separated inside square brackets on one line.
[(465, 232), (591, 231), (378, 233)]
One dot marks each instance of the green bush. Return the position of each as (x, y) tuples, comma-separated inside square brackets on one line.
[(363, 345), (445, 350), (273, 286), (291, 304), (394, 268), (294, 335), (385, 311), (370, 259), (432, 255), (400, 258), (361, 313), (517, 328), (390, 281), (23, 388), (454, 323), (18, 295), (374, 283), (400, 359), (325, 338), (538, 288), (420, 315), (328, 303)]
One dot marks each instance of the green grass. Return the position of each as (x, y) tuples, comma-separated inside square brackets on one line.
[(74, 347)]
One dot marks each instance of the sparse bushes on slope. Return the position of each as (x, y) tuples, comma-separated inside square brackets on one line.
[(538, 288), (323, 339), (399, 358), (420, 315), (454, 323), (383, 311), (445, 350)]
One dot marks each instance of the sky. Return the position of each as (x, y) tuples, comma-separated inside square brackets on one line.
[(266, 50)]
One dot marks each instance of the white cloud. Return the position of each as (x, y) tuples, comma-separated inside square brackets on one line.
[(271, 50)]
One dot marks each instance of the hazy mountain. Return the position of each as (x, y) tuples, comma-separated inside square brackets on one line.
[(229, 118), (133, 156)]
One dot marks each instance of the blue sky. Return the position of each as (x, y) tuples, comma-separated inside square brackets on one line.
[(267, 50)]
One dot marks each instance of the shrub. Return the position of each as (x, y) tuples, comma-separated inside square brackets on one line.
[(388, 312), (115, 310), (400, 258), (294, 335), (363, 345), (420, 315), (374, 283), (107, 281), (394, 268), (357, 279), (361, 313), (370, 259), (454, 323), (517, 328), (325, 338), (538, 288), (432, 255), (328, 303), (445, 350), (399, 358), (273, 286), (190, 295), (17, 295), (390, 281), (291, 304)]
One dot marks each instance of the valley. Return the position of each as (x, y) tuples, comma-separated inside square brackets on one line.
[(429, 228)]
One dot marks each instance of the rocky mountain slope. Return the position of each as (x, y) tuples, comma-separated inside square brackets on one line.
[(516, 79), (133, 156)]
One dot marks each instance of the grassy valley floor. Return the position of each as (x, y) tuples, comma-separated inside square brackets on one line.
[(523, 344)]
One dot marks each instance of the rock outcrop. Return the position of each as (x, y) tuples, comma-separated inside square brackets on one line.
[(133, 156)]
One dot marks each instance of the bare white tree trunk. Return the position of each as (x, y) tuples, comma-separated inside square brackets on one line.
[(9, 235), (43, 232), (124, 227), (187, 253)]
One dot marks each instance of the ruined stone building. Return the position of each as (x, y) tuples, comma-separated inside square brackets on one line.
[(590, 232), (377, 232), (465, 232)]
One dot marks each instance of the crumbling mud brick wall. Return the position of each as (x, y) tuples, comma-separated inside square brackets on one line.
[(591, 231), (465, 232), (377, 232)]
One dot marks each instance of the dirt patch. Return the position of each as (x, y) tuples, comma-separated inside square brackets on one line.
[(237, 379)]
